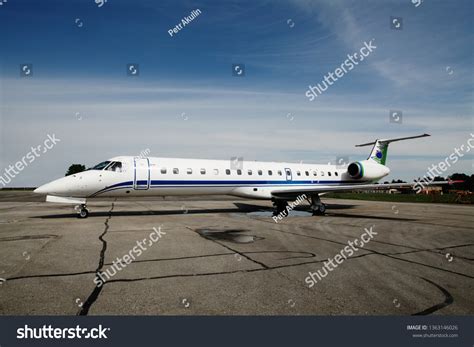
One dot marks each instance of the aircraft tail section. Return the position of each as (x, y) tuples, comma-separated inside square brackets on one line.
[(380, 148)]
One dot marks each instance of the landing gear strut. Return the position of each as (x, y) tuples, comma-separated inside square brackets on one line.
[(280, 207), (317, 206), (83, 211)]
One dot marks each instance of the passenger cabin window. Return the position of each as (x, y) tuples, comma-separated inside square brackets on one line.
[(189, 171), (336, 173), (306, 173), (100, 166), (260, 172), (163, 170), (239, 172), (298, 173), (203, 171), (279, 173), (270, 172), (329, 173), (176, 171), (227, 172), (315, 173), (116, 166), (249, 172), (216, 172), (322, 173)]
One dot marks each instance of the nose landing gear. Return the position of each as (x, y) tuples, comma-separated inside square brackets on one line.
[(83, 211)]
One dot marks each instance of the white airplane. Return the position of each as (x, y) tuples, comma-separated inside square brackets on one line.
[(279, 182)]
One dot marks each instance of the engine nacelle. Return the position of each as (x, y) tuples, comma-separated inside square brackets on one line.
[(367, 170)]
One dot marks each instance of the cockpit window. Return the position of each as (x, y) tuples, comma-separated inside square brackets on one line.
[(100, 166), (116, 166), (108, 165)]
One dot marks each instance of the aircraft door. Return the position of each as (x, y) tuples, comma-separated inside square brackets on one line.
[(141, 177), (289, 176)]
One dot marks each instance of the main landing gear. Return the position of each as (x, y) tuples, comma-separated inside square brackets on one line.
[(280, 207), (317, 207), (83, 211)]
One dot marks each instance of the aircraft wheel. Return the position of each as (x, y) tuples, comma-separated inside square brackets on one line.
[(83, 213), (319, 210), (322, 208)]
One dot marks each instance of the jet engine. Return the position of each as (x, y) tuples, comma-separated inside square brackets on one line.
[(367, 170)]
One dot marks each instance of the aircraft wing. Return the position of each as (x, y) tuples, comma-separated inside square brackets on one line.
[(293, 193)]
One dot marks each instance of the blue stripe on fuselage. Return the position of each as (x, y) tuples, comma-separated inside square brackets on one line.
[(209, 183)]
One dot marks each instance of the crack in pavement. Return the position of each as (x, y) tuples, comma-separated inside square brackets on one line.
[(95, 293), (49, 275), (308, 255), (448, 300)]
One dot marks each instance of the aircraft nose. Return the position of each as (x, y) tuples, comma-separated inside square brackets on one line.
[(39, 190), (56, 187), (44, 189)]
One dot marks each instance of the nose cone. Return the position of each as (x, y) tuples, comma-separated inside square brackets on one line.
[(41, 189), (58, 187), (48, 188)]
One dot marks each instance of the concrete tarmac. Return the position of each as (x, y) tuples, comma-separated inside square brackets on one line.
[(227, 256)]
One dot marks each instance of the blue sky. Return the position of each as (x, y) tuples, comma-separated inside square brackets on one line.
[(79, 53)]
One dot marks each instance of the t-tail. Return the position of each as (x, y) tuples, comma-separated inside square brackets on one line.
[(379, 151)]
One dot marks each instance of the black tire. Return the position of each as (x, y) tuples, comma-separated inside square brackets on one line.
[(83, 213), (319, 210), (322, 209)]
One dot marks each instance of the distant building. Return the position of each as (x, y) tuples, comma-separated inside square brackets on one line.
[(432, 190)]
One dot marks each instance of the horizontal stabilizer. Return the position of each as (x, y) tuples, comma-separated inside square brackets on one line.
[(380, 147), (392, 140)]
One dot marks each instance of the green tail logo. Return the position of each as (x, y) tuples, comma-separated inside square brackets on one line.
[(379, 152)]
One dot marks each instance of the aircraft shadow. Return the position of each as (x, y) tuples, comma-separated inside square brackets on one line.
[(240, 208), (329, 213)]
